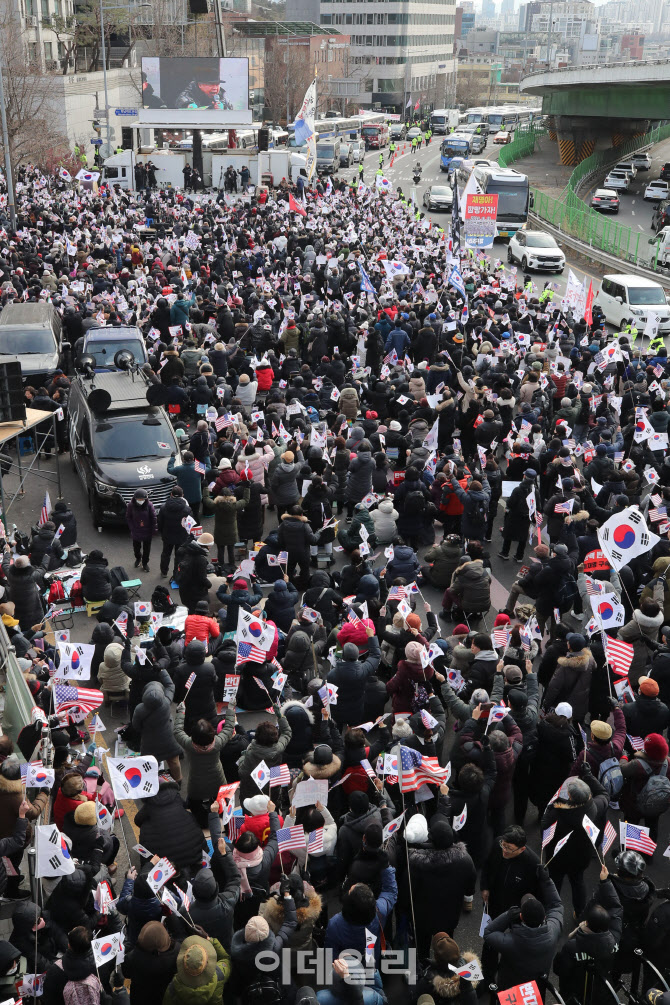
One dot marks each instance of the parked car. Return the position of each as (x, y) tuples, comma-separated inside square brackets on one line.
[(346, 156), (641, 161), (660, 218), (357, 150), (604, 200), (618, 180), (657, 190), (502, 137), (438, 197), (535, 250)]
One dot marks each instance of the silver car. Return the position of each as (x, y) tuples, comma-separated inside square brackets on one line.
[(438, 197), (357, 150)]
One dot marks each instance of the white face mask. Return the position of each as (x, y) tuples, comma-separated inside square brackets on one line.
[(140, 502)]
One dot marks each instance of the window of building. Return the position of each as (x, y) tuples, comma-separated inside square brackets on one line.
[(45, 8), (32, 52), (48, 51)]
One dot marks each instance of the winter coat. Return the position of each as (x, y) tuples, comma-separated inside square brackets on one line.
[(558, 745), (639, 631), (257, 463), (199, 700), (526, 953), (189, 479), (443, 985), (384, 519), (149, 972), (284, 483), (213, 902), (450, 871), (307, 917), (211, 993), (507, 880), (348, 403), (359, 476), (585, 950), (579, 850), (25, 589), (475, 509), (205, 773), (404, 564), (69, 521), (350, 833), (257, 752), (517, 520), (660, 591), (481, 671), (350, 538), (153, 722), (471, 583), (646, 715), (71, 967), (11, 796), (192, 563), (571, 682), (141, 520), (597, 752), (232, 603), (402, 686), (280, 606), (342, 934), (350, 677), (295, 535), (225, 510), (443, 559), (12, 846), (169, 830), (110, 675), (169, 520), (137, 910)]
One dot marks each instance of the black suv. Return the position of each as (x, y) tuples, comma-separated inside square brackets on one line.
[(109, 418), (665, 172)]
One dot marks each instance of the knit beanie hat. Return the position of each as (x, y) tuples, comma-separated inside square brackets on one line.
[(413, 652), (461, 630), (444, 950), (350, 651), (416, 830), (655, 747), (256, 929), (501, 620), (113, 654), (85, 814), (413, 621), (648, 687)]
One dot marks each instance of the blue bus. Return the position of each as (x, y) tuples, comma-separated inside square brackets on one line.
[(454, 146)]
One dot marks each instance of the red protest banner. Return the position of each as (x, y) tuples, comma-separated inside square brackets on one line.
[(521, 994), (596, 561)]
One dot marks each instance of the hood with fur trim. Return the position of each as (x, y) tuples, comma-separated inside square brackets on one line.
[(273, 911), (433, 859), (11, 786), (294, 703), (648, 624), (449, 986), (321, 770), (575, 661)]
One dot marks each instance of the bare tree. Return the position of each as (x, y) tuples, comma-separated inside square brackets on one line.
[(30, 102), (288, 74)]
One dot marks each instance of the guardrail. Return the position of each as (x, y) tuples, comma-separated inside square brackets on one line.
[(594, 66), (574, 218)]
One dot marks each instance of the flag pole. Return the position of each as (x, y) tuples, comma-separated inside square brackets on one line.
[(404, 810)]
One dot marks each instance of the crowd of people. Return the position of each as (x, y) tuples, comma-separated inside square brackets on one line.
[(386, 401)]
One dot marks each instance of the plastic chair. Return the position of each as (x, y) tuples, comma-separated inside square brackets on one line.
[(93, 606)]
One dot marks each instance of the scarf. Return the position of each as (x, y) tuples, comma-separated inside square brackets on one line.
[(246, 861)]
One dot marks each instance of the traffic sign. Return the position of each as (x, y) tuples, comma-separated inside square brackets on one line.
[(125, 111), (96, 143), (100, 113)]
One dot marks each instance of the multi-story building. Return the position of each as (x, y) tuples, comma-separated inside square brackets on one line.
[(36, 22), (401, 52)]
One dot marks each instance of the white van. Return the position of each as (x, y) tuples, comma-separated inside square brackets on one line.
[(622, 297)]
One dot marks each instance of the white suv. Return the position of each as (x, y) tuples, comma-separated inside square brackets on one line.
[(535, 250)]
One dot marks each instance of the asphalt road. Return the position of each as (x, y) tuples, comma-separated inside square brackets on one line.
[(634, 211)]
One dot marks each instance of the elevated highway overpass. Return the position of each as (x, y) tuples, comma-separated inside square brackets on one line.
[(601, 105)]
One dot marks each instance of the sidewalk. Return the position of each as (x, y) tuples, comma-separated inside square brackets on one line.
[(543, 169)]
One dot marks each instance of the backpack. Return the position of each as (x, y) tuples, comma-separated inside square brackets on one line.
[(654, 798), (86, 992), (263, 992), (567, 593), (540, 400), (118, 575), (479, 510), (76, 594), (56, 592), (161, 600), (610, 777)]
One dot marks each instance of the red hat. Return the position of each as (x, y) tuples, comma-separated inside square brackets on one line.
[(461, 630), (240, 584), (371, 415), (501, 619), (655, 747)]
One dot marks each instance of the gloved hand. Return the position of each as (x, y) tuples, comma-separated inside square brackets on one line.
[(284, 886)]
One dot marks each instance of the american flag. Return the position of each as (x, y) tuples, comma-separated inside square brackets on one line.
[(248, 651), (189, 682), (594, 587), (636, 742), (291, 838), (548, 835), (235, 825), (199, 467), (315, 840), (500, 638), (391, 359), (417, 769), (564, 507), (353, 617), (619, 655), (609, 837), (83, 698), (397, 593), (658, 369), (637, 838), (280, 775), (46, 509)]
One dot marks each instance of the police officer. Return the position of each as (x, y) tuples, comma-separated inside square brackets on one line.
[(360, 170), (391, 149), (630, 329), (381, 159)]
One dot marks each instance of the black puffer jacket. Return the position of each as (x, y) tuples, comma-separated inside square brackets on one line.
[(448, 869), (23, 937), (96, 583), (66, 517), (170, 520), (150, 972), (168, 829), (25, 592), (558, 744), (200, 703), (193, 582)]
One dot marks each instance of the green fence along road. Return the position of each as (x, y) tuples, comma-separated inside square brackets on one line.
[(572, 215)]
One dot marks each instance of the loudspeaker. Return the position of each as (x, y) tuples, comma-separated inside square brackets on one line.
[(197, 6), (263, 139), (12, 402)]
